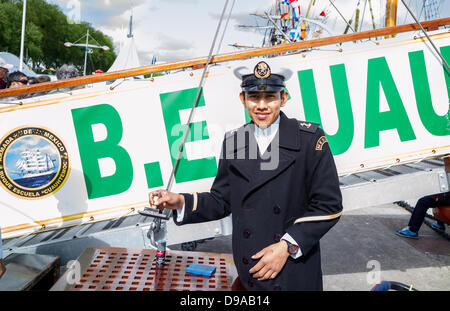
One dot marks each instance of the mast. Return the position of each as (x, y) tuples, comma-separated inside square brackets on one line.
[(49, 163), (391, 15), (22, 38), (309, 7), (357, 18), (130, 34)]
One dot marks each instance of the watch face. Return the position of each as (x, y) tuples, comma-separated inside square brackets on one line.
[(292, 249)]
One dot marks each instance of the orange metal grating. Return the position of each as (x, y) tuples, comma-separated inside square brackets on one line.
[(120, 269)]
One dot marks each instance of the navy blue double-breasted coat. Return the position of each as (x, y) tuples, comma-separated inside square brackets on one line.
[(292, 188)]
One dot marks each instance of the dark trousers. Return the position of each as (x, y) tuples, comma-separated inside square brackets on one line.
[(424, 203)]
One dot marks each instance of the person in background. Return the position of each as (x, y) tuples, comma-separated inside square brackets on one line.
[(420, 211), (38, 79), (16, 79), (4, 69), (42, 79), (3, 72), (66, 72), (32, 80)]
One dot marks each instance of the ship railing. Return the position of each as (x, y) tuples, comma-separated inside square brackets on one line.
[(219, 58)]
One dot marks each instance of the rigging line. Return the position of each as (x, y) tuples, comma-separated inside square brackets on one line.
[(363, 14), (80, 39), (421, 10), (362, 19), (226, 26), (429, 39), (278, 27), (371, 15), (157, 225), (186, 131), (406, 13), (95, 40), (341, 16)]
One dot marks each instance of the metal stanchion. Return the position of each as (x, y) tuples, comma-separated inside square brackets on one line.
[(158, 233)]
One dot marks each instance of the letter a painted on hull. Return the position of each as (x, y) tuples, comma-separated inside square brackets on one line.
[(378, 73)]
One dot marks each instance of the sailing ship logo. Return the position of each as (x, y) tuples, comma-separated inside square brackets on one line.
[(34, 167), (34, 163)]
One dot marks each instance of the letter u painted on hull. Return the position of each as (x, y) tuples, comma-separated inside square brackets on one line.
[(434, 123), (341, 141)]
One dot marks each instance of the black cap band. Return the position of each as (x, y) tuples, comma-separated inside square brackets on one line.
[(274, 83)]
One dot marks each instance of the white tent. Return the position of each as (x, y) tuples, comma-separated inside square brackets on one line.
[(13, 60), (127, 58)]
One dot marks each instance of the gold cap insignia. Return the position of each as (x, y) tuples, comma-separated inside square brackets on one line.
[(262, 70)]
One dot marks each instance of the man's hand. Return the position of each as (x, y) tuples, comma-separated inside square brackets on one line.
[(165, 199), (273, 258)]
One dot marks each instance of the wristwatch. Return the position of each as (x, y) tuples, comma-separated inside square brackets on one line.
[(292, 248)]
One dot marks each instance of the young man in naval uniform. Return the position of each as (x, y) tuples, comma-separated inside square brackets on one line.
[(278, 179)]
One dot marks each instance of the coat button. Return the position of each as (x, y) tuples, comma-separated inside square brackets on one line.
[(250, 283), (245, 260), (277, 287), (276, 209), (247, 233), (277, 237)]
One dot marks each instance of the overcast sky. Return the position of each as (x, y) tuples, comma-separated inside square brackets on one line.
[(182, 29)]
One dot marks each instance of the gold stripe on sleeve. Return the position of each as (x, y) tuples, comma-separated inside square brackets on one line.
[(194, 208), (316, 218)]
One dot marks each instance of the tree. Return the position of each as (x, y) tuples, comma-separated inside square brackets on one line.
[(46, 30)]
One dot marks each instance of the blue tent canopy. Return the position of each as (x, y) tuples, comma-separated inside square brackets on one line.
[(14, 61)]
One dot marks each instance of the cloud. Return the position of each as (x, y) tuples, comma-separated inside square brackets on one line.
[(172, 56), (33, 143), (105, 13), (170, 43), (245, 17)]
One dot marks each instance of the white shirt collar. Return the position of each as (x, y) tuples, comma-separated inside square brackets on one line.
[(265, 136), (270, 130)]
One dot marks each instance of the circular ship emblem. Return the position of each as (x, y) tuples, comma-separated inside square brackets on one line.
[(34, 163)]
